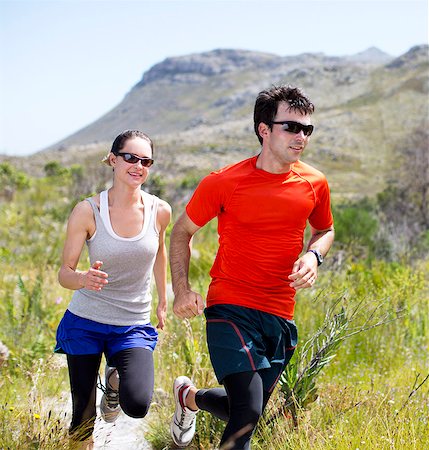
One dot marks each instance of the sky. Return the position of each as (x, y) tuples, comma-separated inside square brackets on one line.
[(65, 63)]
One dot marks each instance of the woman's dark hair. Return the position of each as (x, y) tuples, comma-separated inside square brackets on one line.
[(121, 139), (267, 103)]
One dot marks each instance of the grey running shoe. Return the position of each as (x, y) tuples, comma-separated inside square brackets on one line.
[(109, 405), (182, 427)]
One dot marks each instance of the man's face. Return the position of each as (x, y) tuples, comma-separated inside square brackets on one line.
[(284, 147)]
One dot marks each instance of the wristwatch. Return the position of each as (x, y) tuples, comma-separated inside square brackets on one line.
[(318, 256)]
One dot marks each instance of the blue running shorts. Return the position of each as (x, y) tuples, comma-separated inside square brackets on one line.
[(79, 336), (242, 339)]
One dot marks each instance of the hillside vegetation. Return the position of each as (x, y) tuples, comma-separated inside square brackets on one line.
[(364, 330), (359, 379), (198, 108)]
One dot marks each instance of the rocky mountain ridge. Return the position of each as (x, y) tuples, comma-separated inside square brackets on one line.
[(199, 111), (201, 65), (220, 61), (233, 76)]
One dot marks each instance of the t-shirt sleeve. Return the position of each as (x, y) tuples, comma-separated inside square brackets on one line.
[(207, 200), (321, 216)]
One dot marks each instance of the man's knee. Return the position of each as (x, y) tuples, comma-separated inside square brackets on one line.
[(240, 429), (247, 417)]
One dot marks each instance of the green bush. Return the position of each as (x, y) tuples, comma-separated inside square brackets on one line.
[(371, 393), (54, 169), (11, 180), (356, 227)]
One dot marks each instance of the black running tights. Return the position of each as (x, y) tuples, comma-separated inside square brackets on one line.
[(136, 382), (241, 403)]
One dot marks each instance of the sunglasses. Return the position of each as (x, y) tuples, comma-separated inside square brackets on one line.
[(132, 159), (295, 127)]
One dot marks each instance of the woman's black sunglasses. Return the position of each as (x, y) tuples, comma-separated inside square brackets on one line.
[(132, 159), (295, 127)]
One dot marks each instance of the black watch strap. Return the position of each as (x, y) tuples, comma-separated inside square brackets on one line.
[(318, 256)]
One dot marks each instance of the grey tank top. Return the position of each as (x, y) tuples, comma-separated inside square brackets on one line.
[(126, 299)]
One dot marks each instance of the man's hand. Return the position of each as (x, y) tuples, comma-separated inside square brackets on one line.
[(188, 304), (304, 272)]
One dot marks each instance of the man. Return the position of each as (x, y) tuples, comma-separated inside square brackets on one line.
[(262, 204)]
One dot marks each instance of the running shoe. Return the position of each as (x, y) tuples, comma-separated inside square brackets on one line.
[(109, 405), (182, 426)]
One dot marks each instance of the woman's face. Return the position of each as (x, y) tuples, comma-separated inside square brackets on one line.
[(132, 173)]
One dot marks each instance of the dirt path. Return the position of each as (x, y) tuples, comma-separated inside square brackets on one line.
[(125, 433)]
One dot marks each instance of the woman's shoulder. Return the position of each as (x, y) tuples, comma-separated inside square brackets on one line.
[(163, 212), (162, 205), (164, 208), (84, 209), (91, 199)]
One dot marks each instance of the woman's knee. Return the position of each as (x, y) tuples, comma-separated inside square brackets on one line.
[(136, 407), (136, 374)]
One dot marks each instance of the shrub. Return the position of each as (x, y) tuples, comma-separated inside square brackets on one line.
[(356, 226)]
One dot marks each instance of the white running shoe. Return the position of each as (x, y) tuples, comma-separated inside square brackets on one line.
[(109, 405), (182, 426)]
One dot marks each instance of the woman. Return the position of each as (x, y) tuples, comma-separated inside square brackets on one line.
[(124, 229)]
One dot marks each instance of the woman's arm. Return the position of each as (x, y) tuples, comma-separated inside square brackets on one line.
[(160, 266), (79, 228)]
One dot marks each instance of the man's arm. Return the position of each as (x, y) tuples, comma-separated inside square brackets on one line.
[(304, 272), (321, 240), (187, 303)]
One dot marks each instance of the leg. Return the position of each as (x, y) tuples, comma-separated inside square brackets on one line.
[(189, 400), (215, 401), (246, 404), (83, 371), (136, 375)]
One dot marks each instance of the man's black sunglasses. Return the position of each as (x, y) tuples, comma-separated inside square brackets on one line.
[(295, 127), (132, 159)]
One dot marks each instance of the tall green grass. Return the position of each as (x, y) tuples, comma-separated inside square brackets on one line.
[(370, 394), (362, 398), (34, 381)]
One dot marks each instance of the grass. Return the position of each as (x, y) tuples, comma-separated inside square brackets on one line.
[(353, 418), (32, 405), (367, 394), (372, 393)]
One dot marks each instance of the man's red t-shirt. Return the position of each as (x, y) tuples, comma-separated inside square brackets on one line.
[(261, 222)]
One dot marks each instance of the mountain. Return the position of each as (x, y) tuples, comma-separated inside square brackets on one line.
[(208, 88), (372, 54), (198, 108)]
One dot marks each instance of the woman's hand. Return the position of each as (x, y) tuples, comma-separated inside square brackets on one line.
[(161, 313), (93, 279)]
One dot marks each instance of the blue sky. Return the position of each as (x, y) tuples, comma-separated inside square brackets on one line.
[(65, 63)]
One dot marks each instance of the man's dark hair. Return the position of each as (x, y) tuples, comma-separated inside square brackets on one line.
[(121, 139), (267, 103)]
